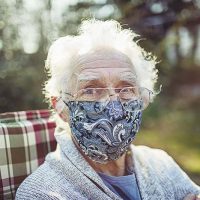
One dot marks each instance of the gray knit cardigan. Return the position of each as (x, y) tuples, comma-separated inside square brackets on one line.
[(65, 174)]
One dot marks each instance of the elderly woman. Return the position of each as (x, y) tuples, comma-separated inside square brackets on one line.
[(100, 82)]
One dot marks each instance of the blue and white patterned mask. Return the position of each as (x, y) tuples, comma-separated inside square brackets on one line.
[(104, 134)]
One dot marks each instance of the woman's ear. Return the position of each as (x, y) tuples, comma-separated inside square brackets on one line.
[(60, 108), (53, 101)]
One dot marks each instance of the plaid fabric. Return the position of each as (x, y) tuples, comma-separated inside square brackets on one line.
[(25, 139)]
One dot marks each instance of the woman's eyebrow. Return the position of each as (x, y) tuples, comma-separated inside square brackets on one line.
[(87, 77)]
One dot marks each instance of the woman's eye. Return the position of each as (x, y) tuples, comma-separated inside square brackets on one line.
[(130, 90), (117, 90), (125, 90), (89, 91)]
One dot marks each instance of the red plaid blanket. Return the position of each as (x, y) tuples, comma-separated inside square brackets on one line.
[(25, 139)]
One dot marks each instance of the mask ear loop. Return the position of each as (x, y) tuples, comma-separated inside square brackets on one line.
[(151, 96)]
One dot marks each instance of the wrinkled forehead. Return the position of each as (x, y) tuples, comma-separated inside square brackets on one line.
[(101, 54), (103, 62)]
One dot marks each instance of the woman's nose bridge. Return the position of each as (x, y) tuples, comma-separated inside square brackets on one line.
[(112, 94), (111, 91)]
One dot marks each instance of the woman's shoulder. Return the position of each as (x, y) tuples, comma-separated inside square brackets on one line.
[(153, 157), (148, 152), (165, 168), (37, 184), (45, 183)]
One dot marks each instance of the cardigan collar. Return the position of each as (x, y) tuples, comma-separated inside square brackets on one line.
[(146, 177)]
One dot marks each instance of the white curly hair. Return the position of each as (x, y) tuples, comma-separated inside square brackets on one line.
[(94, 34)]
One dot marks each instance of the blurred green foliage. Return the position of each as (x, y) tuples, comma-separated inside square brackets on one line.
[(170, 29)]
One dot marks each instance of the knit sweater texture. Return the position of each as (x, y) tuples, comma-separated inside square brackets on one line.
[(65, 174)]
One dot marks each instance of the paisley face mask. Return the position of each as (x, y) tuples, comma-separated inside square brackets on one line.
[(104, 132)]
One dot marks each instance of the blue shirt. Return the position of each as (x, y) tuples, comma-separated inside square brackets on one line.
[(124, 186)]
